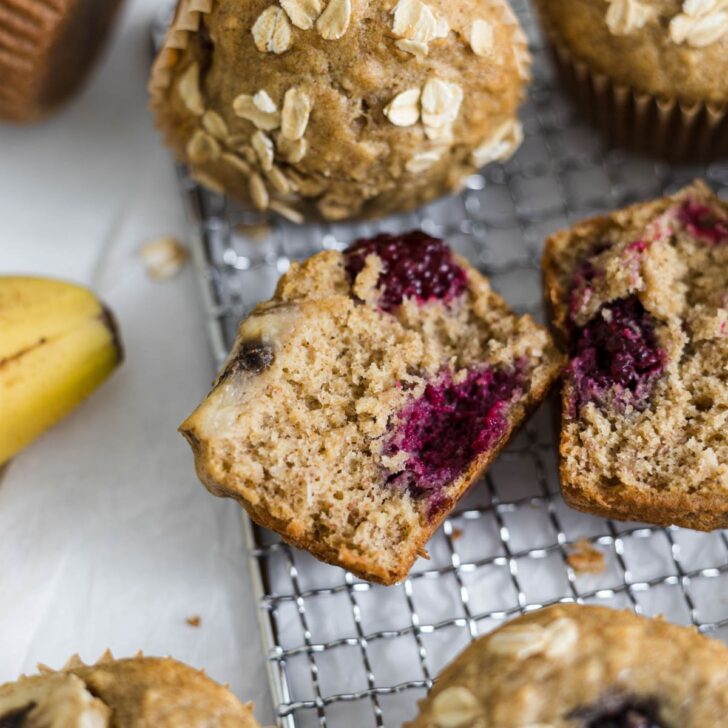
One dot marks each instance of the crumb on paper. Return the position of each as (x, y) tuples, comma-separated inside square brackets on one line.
[(585, 558), (164, 257), (194, 621), (457, 533)]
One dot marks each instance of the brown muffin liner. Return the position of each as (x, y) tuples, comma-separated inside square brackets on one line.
[(47, 50), (665, 128)]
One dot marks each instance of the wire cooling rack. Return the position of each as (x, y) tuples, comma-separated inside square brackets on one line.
[(342, 652)]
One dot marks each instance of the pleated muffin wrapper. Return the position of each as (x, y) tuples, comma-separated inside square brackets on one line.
[(47, 52), (666, 128)]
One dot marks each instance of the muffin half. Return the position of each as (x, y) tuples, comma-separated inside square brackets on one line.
[(360, 403)]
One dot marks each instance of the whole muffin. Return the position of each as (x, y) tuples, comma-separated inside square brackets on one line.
[(655, 73), (137, 692), (47, 50), (344, 109), (574, 666)]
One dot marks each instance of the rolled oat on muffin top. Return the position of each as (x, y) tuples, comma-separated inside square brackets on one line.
[(340, 109)]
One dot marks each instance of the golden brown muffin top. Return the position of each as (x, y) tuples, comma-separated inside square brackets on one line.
[(572, 666), (666, 48), (356, 107), (130, 693)]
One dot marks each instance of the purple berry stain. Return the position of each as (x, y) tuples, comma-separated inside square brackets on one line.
[(446, 428), (414, 265), (582, 279), (703, 222), (615, 353)]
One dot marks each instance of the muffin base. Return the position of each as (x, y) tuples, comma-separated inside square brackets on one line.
[(665, 128)]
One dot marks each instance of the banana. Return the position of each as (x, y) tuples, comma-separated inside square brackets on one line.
[(57, 344)]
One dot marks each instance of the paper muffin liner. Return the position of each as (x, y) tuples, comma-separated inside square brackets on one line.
[(185, 23), (37, 73), (21, 54), (659, 127)]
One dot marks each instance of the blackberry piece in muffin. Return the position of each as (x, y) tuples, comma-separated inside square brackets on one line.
[(361, 402), (641, 300)]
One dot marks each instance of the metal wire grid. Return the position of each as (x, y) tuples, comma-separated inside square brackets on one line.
[(345, 652)]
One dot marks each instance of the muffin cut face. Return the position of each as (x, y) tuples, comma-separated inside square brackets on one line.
[(359, 403), (574, 666), (640, 298)]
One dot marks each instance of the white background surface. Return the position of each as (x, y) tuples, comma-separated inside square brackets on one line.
[(107, 538)]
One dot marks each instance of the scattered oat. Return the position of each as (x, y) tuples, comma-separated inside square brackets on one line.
[(441, 101), (258, 192), (626, 16), (272, 31), (303, 13), (334, 21), (585, 558), (259, 109), (501, 145), (248, 154), (203, 148), (519, 641), (455, 707), (264, 102), (164, 258), (264, 150), (280, 182), (215, 124), (422, 161), (296, 112), (563, 635), (415, 47), (481, 38), (701, 7), (285, 211), (235, 141), (188, 87), (457, 534), (239, 164), (208, 181), (333, 209), (292, 150), (404, 108), (699, 30), (194, 621), (414, 20)]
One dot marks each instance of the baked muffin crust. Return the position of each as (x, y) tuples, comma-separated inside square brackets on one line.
[(640, 299), (129, 693), (360, 403), (572, 666), (341, 110)]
